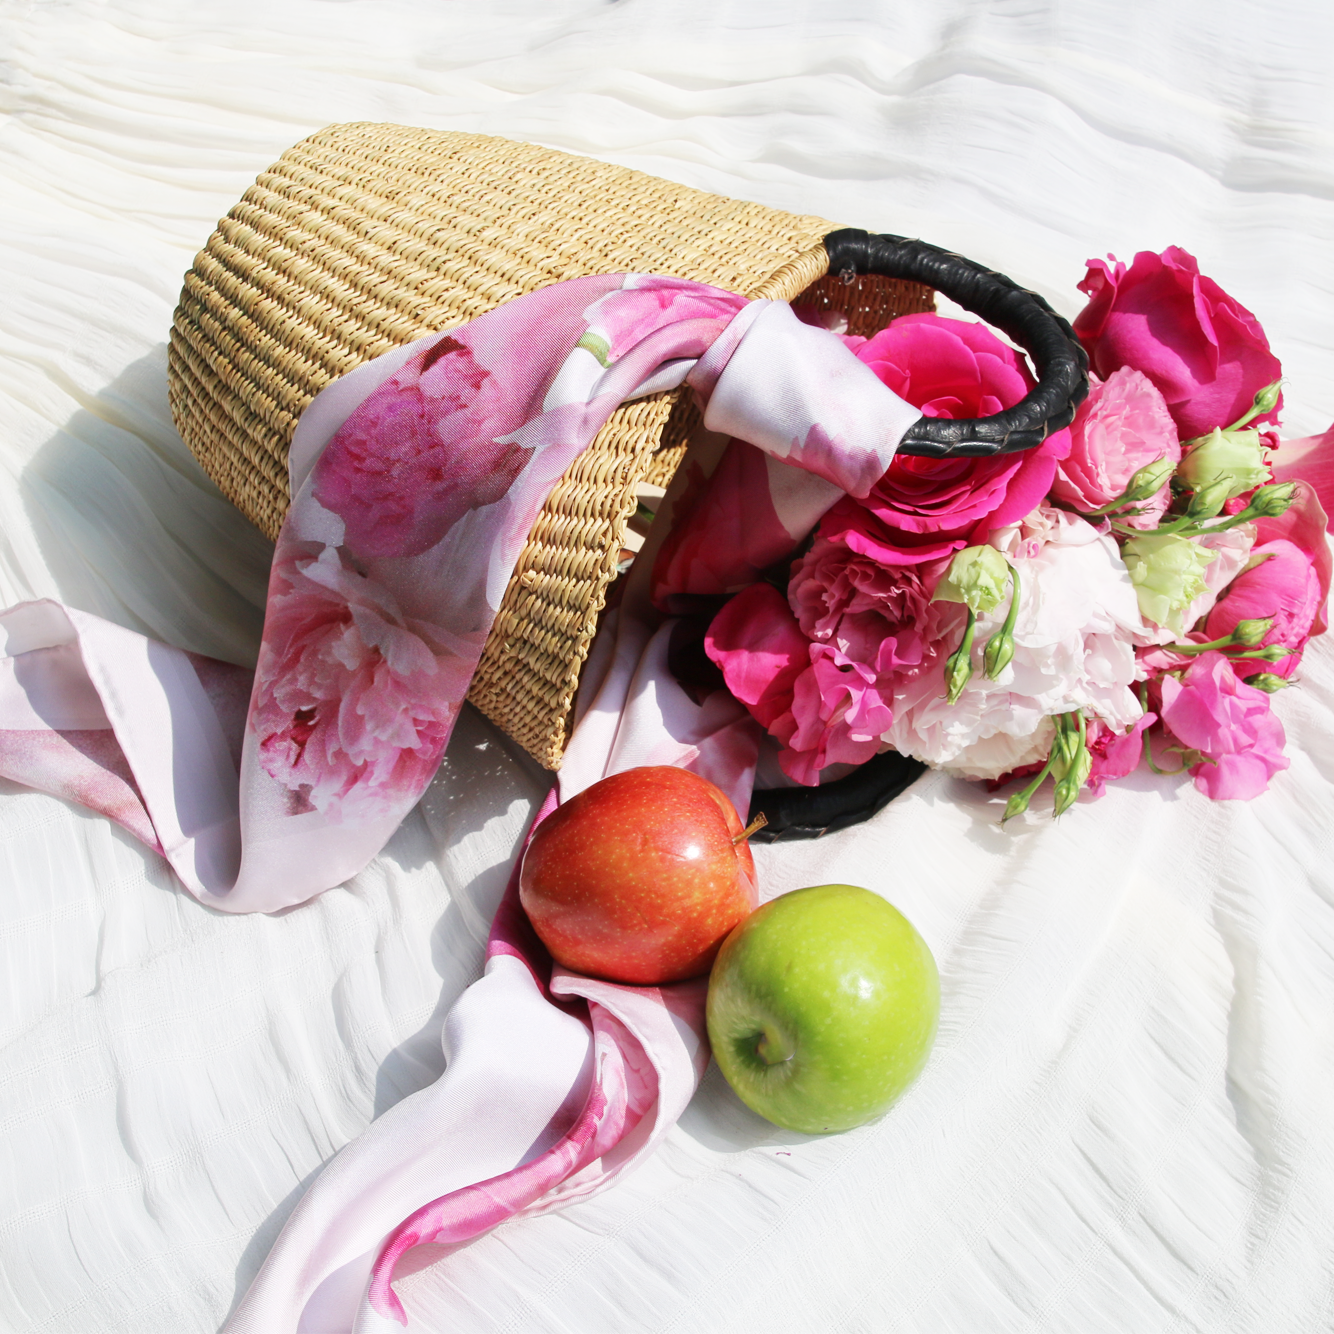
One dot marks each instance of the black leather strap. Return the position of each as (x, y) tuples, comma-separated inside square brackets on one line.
[(808, 812), (1061, 364)]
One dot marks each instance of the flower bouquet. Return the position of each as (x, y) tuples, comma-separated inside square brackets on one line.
[(1133, 590)]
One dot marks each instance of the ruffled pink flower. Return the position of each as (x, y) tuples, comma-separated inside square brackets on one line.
[(406, 466), (1115, 754), (1206, 352), (1230, 723), (952, 368), (821, 703), (1284, 586), (354, 699), (1121, 427)]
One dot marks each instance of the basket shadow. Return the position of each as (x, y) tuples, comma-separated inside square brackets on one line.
[(130, 528)]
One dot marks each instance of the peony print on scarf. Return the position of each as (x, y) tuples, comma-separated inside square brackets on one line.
[(415, 480), (415, 483)]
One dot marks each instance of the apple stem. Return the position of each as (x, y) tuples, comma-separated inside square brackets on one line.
[(754, 826)]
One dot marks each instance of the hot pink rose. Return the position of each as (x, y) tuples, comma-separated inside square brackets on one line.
[(1206, 352), (1229, 723), (354, 700), (1284, 586), (951, 368), (1121, 427), (406, 466)]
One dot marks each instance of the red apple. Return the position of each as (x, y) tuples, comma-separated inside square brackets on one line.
[(640, 877)]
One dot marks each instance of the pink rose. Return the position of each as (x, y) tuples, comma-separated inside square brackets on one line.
[(1284, 586), (408, 465), (1120, 428), (756, 641), (1210, 710), (354, 700), (1206, 352), (951, 368)]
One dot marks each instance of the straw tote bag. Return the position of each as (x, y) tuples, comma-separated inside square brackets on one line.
[(368, 236)]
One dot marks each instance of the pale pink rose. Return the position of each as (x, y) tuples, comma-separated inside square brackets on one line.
[(1121, 427), (419, 454), (1230, 723), (1205, 351), (354, 700)]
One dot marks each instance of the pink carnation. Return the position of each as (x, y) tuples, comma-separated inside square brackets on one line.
[(1206, 352), (951, 368), (1230, 723), (354, 700), (407, 466), (851, 592), (1121, 427)]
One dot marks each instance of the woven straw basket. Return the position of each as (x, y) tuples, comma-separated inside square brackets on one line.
[(364, 237)]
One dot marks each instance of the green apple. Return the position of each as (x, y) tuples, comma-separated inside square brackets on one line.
[(822, 1008)]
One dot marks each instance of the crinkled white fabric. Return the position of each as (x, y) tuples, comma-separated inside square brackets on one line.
[(1125, 1124)]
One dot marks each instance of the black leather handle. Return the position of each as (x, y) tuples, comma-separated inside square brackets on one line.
[(1061, 364)]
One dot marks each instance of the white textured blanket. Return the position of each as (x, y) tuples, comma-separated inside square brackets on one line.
[(1125, 1125)]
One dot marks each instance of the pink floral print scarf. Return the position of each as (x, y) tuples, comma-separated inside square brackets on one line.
[(415, 481)]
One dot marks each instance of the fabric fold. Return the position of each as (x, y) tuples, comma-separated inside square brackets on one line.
[(415, 482)]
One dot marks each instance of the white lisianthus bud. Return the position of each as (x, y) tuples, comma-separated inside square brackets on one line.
[(977, 577), (1236, 456), (1168, 574)]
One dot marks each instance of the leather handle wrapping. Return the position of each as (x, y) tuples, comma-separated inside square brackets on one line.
[(1061, 363)]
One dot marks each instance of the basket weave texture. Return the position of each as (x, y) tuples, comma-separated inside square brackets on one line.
[(367, 236)]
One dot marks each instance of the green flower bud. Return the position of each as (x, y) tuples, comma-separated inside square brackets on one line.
[(958, 672), (998, 654), (1234, 455), (1149, 480), (1251, 634), (1168, 573), (1268, 682), (1267, 399), (977, 577), (959, 665), (1209, 500), (1016, 805), (1271, 501), (1273, 653)]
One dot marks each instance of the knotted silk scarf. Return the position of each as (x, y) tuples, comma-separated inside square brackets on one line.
[(415, 481)]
